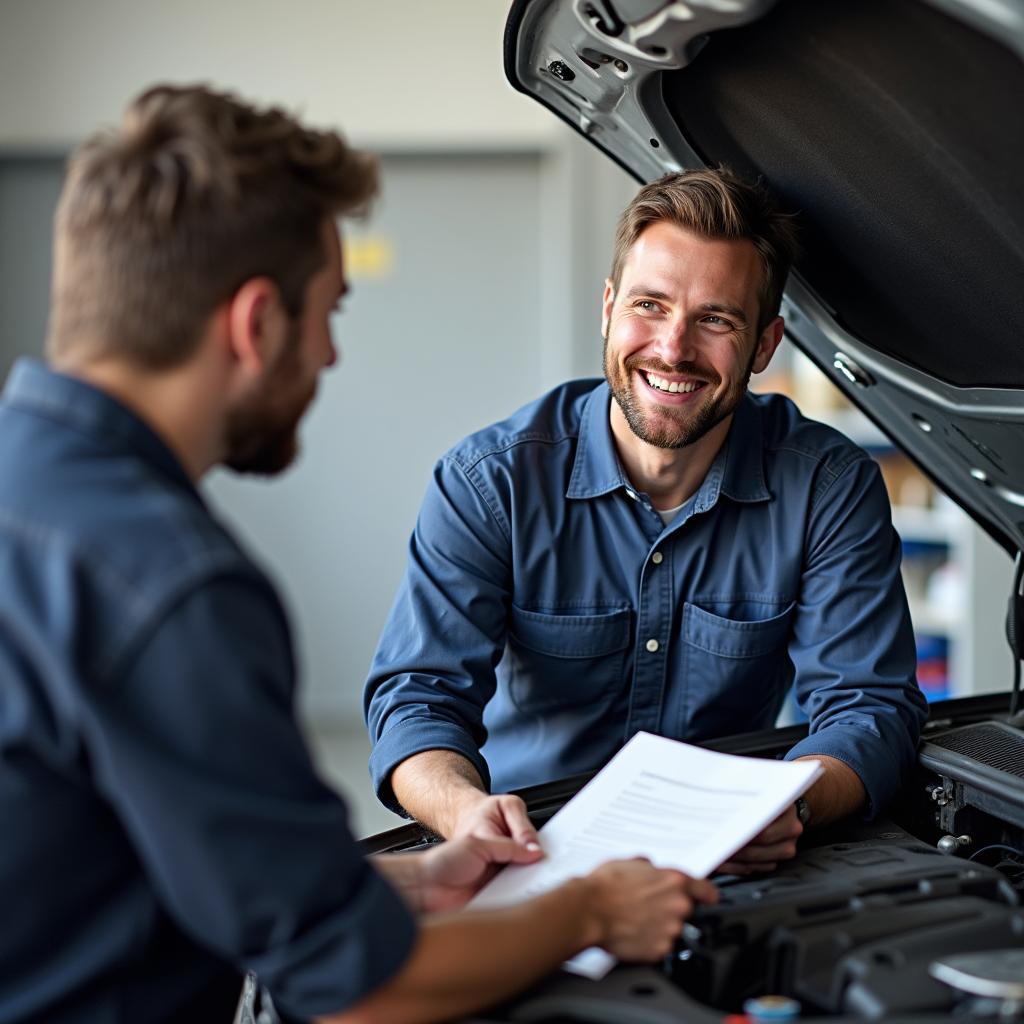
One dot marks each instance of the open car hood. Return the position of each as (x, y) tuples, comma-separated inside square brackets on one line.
[(895, 128)]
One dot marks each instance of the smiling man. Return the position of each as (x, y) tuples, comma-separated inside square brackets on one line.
[(659, 551)]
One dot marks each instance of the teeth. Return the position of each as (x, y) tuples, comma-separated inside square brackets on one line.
[(672, 387)]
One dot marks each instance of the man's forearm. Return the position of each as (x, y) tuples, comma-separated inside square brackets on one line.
[(837, 792), (464, 962), (437, 787)]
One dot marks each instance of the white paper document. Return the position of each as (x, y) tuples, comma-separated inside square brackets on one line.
[(678, 805)]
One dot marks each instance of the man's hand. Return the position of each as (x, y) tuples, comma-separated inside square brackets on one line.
[(455, 871), (495, 816), (837, 792), (763, 852), (447, 875), (444, 791), (638, 910)]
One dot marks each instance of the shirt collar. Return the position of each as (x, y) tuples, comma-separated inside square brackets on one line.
[(596, 469), (36, 388), (737, 471), (743, 473)]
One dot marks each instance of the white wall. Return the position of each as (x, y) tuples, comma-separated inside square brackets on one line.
[(442, 343), (391, 72)]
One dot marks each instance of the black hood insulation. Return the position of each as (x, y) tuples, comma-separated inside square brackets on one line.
[(897, 133)]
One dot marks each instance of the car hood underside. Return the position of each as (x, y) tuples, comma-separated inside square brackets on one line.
[(893, 127)]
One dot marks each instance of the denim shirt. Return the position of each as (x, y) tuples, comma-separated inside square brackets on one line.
[(547, 613), (164, 829)]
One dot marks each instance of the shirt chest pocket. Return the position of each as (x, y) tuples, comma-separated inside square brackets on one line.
[(556, 661), (736, 672)]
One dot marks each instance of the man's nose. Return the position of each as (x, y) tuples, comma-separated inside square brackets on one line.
[(676, 343)]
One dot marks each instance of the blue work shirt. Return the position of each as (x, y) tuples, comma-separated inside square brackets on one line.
[(164, 829), (548, 610)]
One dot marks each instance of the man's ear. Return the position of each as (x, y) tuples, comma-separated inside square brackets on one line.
[(606, 306), (256, 323), (767, 343)]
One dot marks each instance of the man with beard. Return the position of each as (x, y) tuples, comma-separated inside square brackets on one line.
[(661, 551), (164, 829)]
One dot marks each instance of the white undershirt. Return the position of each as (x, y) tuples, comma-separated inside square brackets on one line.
[(668, 514)]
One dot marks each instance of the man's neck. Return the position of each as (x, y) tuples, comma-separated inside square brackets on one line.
[(167, 401), (669, 476)]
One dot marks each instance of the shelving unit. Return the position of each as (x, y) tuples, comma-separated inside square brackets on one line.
[(957, 579)]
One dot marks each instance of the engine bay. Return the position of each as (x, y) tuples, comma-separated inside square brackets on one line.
[(855, 924), (852, 927), (909, 917), (917, 916)]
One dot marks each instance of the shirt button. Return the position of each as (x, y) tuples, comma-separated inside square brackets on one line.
[(632, 494), (652, 645), (657, 557)]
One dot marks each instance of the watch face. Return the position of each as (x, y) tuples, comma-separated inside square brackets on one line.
[(803, 811)]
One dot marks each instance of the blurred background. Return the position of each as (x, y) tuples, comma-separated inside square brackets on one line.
[(476, 286)]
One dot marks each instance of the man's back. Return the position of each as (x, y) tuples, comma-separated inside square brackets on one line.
[(100, 531), (167, 828)]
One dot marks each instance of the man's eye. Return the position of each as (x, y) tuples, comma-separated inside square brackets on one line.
[(716, 321), (648, 306)]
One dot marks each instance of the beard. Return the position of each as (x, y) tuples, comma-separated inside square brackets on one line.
[(262, 432), (672, 427), (261, 442)]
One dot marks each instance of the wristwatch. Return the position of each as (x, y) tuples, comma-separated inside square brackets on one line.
[(803, 810)]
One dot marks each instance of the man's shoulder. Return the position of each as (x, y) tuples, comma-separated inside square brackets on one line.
[(113, 523), (103, 558), (548, 423), (81, 478), (787, 432)]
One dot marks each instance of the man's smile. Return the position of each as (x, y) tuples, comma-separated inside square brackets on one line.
[(668, 386)]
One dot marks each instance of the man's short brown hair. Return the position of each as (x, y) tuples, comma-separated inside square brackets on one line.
[(715, 204), (165, 217)]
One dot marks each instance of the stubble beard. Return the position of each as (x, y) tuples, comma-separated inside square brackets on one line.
[(261, 437), (675, 427)]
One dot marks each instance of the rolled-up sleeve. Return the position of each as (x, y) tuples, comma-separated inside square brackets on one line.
[(194, 743), (853, 648), (434, 670)]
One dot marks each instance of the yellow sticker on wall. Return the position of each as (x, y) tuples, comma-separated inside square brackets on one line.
[(369, 257)]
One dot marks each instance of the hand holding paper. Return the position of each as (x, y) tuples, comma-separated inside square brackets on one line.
[(680, 806), (638, 909)]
